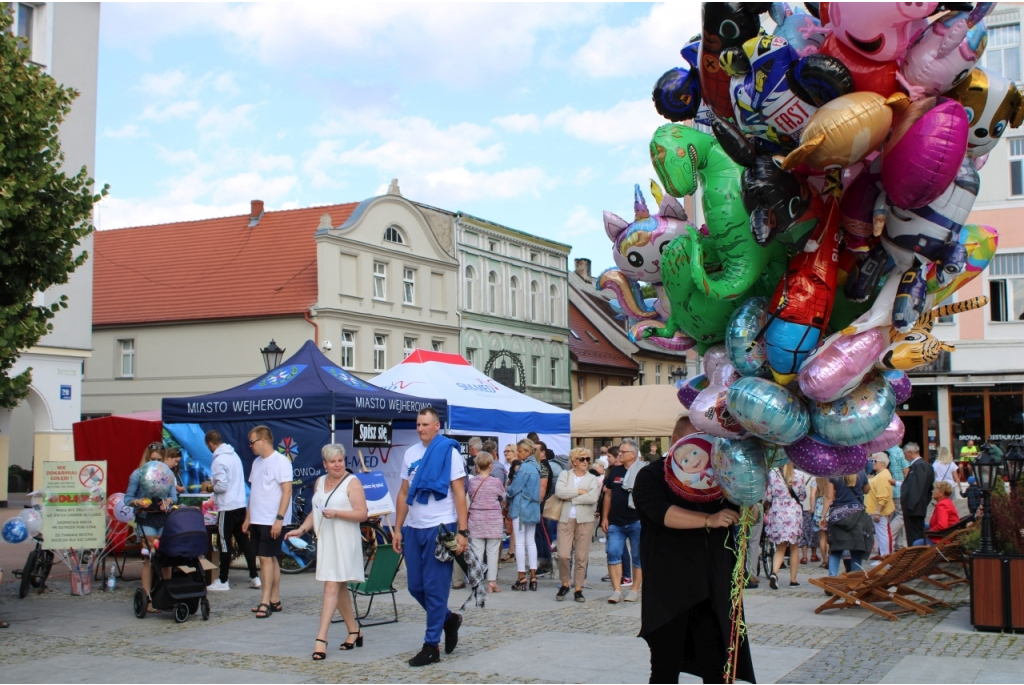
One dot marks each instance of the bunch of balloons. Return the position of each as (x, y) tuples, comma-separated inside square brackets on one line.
[(837, 162), (27, 524)]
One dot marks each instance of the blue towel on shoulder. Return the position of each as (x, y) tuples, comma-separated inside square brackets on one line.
[(434, 475)]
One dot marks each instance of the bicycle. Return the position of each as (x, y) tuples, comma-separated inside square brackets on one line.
[(296, 558), (36, 571)]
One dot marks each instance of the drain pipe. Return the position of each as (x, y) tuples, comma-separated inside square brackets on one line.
[(316, 328)]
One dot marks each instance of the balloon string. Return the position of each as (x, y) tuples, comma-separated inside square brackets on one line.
[(738, 627)]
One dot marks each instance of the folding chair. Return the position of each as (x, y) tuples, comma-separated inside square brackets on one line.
[(883, 584), (948, 550), (380, 581)]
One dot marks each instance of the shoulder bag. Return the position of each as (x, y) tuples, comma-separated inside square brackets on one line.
[(553, 505)]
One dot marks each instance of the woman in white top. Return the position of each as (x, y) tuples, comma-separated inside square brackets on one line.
[(946, 470), (578, 489), (339, 506)]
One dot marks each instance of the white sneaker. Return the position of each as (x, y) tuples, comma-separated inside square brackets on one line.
[(615, 597), (255, 583), (631, 596), (217, 586)]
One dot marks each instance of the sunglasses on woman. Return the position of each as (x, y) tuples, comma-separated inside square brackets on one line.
[(585, 460)]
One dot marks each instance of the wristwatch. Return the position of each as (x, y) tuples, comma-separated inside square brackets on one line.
[(280, 518), (464, 533)]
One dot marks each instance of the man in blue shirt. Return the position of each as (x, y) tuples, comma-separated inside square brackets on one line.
[(898, 466)]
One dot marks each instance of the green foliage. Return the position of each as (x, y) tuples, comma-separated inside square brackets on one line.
[(1008, 519), (44, 213), (647, 290)]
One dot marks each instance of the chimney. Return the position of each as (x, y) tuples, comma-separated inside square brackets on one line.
[(583, 269), (255, 212)]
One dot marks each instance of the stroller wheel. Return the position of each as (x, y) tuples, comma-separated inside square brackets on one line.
[(139, 603), (181, 612), (204, 608)]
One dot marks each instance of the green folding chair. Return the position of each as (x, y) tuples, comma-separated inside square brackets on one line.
[(380, 581)]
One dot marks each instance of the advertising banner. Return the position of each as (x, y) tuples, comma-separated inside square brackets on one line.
[(74, 504)]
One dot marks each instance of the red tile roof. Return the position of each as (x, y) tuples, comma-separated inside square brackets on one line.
[(209, 269), (590, 346)]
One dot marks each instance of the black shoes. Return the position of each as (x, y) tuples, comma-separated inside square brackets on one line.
[(430, 654), (451, 632), (562, 592), (773, 581), (578, 596)]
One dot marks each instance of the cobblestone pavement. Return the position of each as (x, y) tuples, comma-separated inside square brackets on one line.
[(791, 643)]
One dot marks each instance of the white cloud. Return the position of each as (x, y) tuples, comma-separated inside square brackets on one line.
[(166, 85), (175, 110), (519, 123), (126, 131), (648, 46), (582, 221), (626, 122), (225, 83), (218, 122), (460, 185)]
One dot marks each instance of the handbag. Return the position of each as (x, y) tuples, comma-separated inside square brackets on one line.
[(553, 506)]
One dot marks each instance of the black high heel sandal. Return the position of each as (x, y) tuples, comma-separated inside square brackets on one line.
[(533, 583), (320, 656), (520, 584), (346, 645)]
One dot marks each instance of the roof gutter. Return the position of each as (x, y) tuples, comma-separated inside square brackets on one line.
[(316, 328)]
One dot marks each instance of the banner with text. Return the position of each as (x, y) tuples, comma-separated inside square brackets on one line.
[(74, 504)]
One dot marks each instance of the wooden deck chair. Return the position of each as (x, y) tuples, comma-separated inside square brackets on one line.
[(948, 550), (380, 581), (882, 584)]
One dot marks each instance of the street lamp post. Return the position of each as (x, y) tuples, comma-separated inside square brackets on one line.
[(986, 469), (272, 355), (1014, 464), (678, 375)]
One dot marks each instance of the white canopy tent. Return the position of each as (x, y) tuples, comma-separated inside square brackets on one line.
[(628, 411), (477, 404)]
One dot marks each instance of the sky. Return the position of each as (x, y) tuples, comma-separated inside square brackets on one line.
[(535, 116)]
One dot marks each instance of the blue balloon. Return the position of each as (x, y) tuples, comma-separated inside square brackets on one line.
[(740, 469), (15, 531), (768, 410), (856, 418), (774, 456), (788, 345), (745, 351)]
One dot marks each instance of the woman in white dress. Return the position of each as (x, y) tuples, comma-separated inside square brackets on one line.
[(339, 506)]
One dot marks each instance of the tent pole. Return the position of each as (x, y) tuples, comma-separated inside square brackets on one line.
[(333, 441)]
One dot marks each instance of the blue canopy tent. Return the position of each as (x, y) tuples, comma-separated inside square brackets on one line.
[(304, 401)]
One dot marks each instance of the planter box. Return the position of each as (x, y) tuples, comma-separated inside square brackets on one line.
[(997, 592)]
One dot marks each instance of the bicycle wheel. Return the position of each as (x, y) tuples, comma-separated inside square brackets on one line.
[(44, 564), (26, 574), (373, 536), (294, 559)]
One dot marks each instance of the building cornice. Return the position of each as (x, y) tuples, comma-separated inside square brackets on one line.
[(512, 234)]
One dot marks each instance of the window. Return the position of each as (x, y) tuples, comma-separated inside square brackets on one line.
[(348, 350), (1002, 54), (1006, 287), (492, 245), (554, 372), (534, 296), (534, 257), (657, 374), (603, 383), (380, 275), (643, 368), (408, 347), (409, 286), (26, 17), (553, 305), (380, 348), (470, 276), (127, 358), (392, 235), (1016, 166), (579, 387), (946, 319), (513, 289), (437, 346), (492, 292), (574, 334), (534, 370), (471, 356)]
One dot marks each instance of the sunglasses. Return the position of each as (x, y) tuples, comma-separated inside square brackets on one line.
[(253, 442), (585, 460), (156, 446)]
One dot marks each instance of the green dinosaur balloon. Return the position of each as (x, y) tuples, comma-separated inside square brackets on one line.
[(707, 275)]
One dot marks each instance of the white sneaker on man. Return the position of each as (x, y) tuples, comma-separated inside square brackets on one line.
[(255, 583), (218, 586)]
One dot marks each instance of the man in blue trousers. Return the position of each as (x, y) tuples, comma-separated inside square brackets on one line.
[(433, 493)]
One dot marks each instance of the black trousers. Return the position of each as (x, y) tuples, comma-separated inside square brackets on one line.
[(913, 526), (692, 643), (229, 526)]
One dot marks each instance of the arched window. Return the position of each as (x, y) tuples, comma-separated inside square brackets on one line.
[(534, 300), (393, 235), (553, 305), (492, 292), (470, 277), (513, 301)]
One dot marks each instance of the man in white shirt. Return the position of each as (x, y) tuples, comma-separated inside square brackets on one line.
[(229, 497), (270, 509), (438, 497)]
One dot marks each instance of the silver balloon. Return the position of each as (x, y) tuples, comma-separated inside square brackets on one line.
[(768, 410), (856, 418), (740, 470), (745, 351)]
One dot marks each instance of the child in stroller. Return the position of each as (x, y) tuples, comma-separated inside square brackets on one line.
[(183, 541)]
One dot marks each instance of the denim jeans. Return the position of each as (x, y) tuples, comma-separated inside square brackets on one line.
[(617, 536), (835, 557)]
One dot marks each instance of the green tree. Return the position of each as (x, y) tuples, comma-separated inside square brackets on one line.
[(44, 212)]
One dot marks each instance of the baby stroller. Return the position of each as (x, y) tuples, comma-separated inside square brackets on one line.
[(181, 544)]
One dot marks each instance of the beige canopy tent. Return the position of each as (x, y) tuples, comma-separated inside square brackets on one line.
[(637, 410)]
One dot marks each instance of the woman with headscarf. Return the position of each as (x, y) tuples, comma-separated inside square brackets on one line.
[(684, 531)]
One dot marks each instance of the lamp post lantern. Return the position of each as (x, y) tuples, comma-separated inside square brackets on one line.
[(1014, 463), (986, 469), (272, 355), (678, 375)]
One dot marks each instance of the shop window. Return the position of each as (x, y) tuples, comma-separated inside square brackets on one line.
[(1006, 417)]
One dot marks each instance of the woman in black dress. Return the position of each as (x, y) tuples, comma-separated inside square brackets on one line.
[(684, 525)]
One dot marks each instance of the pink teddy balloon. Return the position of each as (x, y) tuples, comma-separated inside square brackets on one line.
[(709, 412), (880, 31)]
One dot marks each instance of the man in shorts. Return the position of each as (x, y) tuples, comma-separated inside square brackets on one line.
[(270, 509)]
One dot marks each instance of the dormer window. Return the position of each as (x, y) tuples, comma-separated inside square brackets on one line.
[(392, 235)]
